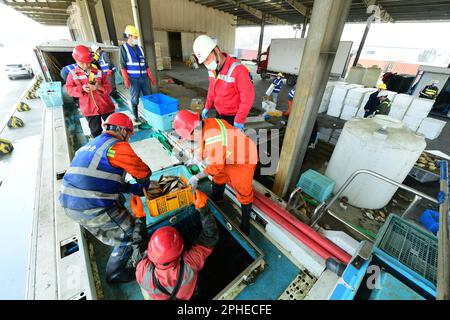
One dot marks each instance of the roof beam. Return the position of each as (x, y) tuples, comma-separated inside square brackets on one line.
[(269, 18), (384, 15), (59, 5), (302, 9)]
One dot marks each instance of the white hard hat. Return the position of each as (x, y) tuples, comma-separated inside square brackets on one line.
[(203, 46), (382, 93), (95, 47)]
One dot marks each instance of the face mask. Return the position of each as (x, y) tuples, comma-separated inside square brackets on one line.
[(212, 66), (135, 42)]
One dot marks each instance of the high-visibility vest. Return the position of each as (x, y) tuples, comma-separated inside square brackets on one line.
[(135, 64), (70, 67), (103, 64), (291, 94), (91, 182), (277, 82)]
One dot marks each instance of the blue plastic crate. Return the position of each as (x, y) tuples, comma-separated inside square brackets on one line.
[(160, 122), (316, 185), (160, 104), (51, 94)]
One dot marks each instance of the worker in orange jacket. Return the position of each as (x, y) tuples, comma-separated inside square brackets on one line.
[(230, 155), (169, 273)]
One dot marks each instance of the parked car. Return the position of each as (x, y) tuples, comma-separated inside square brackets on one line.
[(15, 71)]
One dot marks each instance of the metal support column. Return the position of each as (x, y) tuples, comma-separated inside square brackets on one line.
[(94, 21), (142, 14), (363, 40), (325, 30), (110, 22), (305, 24), (443, 270), (261, 38)]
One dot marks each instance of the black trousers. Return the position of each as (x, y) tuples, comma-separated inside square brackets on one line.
[(95, 123), (229, 119)]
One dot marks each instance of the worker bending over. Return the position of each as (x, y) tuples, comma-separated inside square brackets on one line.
[(430, 91), (373, 101), (135, 70), (230, 89), (230, 155), (64, 73), (170, 273), (92, 88), (92, 187), (106, 65), (385, 104)]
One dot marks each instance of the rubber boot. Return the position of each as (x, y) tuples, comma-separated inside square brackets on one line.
[(246, 209), (136, 113), (117, 268), (217, 192)]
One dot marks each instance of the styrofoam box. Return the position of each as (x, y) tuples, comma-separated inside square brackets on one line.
[(355, 96), (400, 105), (337, 99), (391, 95), (366, 97), (348, 112), (431, 128), (412, 122), (420, 107), (324, 105), (327, 94)]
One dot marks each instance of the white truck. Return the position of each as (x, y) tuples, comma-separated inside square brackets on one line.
[(285, 55)]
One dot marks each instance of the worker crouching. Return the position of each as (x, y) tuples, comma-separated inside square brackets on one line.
[(230, 155), (170, 273), (91, 192)]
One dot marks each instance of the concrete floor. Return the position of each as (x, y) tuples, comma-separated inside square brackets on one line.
[(197, 80)]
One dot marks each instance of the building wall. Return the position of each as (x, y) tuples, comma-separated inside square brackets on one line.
[(189, 18)]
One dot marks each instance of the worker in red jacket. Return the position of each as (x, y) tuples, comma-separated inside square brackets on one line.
[(92, 87), (230, 89), (168, 272)]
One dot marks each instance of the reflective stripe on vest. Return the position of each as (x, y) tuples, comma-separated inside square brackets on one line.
[(227, 78), (222, 137), (147, 280), (91, 182), (277, 83), (135, 64), (291, 94), (103, 64), (83, 76)]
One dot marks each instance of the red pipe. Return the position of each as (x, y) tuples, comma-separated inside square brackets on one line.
[(291, 229), (305, 229)]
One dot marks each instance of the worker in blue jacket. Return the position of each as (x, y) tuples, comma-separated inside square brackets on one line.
[(278, 83), (66, 70)]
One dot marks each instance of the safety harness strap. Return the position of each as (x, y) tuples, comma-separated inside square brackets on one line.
[(157, 284)]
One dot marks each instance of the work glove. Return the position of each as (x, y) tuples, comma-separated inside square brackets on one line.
[(205, 113), (193, 181), (109, 74), (239, 126), (136, 188), (137, 208), (192, 162), (126, 80), (150, 76), (200, 199)]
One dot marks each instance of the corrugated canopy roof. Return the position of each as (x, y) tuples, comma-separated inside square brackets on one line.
[(250, 12), (48, 12)]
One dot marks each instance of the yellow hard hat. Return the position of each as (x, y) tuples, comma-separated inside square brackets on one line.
[(280, 74), (382, 86), (131, 30)]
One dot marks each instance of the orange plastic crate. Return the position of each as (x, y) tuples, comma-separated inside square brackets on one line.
[(170, 202)]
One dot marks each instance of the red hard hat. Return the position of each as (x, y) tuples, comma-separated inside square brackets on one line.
[(165, 245), (82, 54), (120, 120), (184, 123)]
